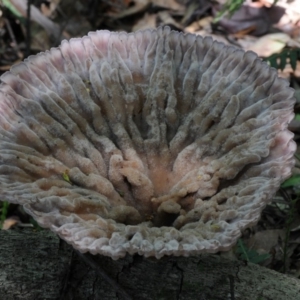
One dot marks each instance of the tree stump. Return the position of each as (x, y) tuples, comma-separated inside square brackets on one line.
[(36, 265)]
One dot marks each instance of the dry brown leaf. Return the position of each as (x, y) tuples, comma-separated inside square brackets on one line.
[(138, 7), (48, 10), (240, 34), (265, 240), (148, 21), (39, 39), (166, 19), (189, 12), (249, 16), (195, 10), (202, 24), (36, 16), (169, 4), (10, 222), (269, 44)]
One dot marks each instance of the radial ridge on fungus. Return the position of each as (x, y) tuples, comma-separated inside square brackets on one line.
[(154, 142)]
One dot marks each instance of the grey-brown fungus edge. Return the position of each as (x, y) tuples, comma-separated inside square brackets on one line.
[(154, 142)]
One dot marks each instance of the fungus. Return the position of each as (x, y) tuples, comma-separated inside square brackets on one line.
[(154, 142)]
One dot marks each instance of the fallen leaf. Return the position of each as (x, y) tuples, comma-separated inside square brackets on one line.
[(35, 15), (148, 21), (10, 222), (169, 4), (269, 44), (259, 19), (138, 7), (166, 19), (204, 23), (265, 240)]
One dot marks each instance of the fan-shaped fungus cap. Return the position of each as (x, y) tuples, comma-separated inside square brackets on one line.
[(153, 142)]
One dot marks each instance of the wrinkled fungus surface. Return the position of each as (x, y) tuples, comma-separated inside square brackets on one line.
[(154, 142)]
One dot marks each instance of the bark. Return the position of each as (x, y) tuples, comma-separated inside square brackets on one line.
[(36, 265)]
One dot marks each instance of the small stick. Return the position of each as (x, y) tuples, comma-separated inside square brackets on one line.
[(86, 258), (13, 38), (28, 35)]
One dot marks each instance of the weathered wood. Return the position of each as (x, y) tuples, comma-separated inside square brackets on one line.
[(37, 265)]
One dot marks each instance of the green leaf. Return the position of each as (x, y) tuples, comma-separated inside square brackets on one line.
[(283, 56), (229, 8), (273, 61), (279, 60), (12, 8), (249, 254), (5, 205), (66, 177), (292, 181), (293, 59), (35, 224)]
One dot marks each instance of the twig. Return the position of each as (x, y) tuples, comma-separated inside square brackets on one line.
[(231, 283), (88, 260), (66, 277), (13, 39), (28, 23), (289, 221)]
